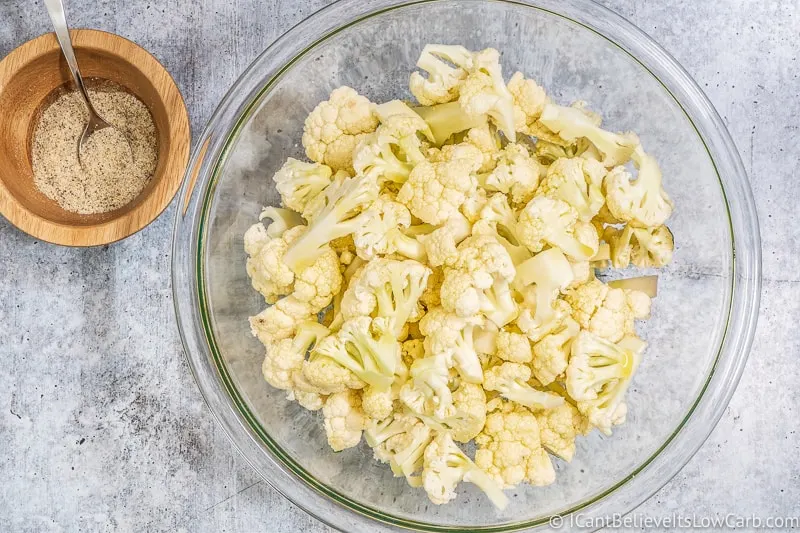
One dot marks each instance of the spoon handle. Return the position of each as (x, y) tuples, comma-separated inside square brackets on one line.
[(56, 11)]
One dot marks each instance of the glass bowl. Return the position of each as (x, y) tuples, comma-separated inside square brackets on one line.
[(703, 319)]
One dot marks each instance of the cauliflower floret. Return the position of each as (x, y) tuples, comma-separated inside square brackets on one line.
[(299, 182), (280, 320), (571, 123), (478, 281), (445, 466), (585, 300), (443, 80), (513, 347), (314, 283), (440, 244), (549, 272), (255, 238), (472, 206), (463, 416), (428, 389), (551, 354), (342, 214), (284, 358), (383, 234), (365, 346), (644, 247), (323, 375), (653, 247), (344, 420), (389, 154), (334, 128), (558, 428), (484, 91), (317, 283), (509, 448), (485, 139), (502, 219), (501, 232), (387, 288), (481, 92), (435, 190), (643, 202), (400, 440), (468, 415), (529, 101), (601, 310), (377, 404), (515, 174), (269, 275), (578, 182), (619, 244), (549, 221), (614, 318), (511, 381), (599, 374), (596, 363), (404, 122), (308, 400), (535, 328), (266, 247), (450, 339)]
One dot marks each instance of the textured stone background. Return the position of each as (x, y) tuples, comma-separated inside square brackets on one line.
[(101, 426)]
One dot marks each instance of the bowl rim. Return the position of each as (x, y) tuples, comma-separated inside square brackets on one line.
[(129, 222), (232, 414)]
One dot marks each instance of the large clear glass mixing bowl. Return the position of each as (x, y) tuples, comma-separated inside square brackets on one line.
[(703, 319)]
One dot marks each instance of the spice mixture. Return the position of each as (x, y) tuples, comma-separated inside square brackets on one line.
[(112, 173)]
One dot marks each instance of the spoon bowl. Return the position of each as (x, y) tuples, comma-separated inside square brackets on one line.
[(95, 123)]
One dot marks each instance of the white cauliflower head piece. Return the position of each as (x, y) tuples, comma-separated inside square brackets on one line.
[(334, 128), (299, 182), (509, 448), (344, 420), (445, 466), (641, 202), (548, 221), (516, 174), (479, 281), (284, 358), (572, 123), (435, 190)]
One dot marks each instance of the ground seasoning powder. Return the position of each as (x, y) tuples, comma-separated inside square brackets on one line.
[(112, 174)]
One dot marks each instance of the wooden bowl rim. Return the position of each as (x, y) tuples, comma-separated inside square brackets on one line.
[(175, 162)]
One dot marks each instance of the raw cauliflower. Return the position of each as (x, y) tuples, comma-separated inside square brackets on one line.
[(435, 190), (334, 128), (478, 281), (510, 449), (604, 311), (344, 420), (437, 274), (558, 429)]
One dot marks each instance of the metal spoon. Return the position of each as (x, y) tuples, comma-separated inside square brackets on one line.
[(96, 123)]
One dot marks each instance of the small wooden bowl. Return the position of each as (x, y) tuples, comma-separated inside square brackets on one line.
[(28, 77)]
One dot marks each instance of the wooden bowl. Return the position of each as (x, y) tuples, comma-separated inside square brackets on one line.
[(29, 76)]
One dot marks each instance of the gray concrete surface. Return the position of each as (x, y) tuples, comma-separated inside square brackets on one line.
[(101, 425)]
